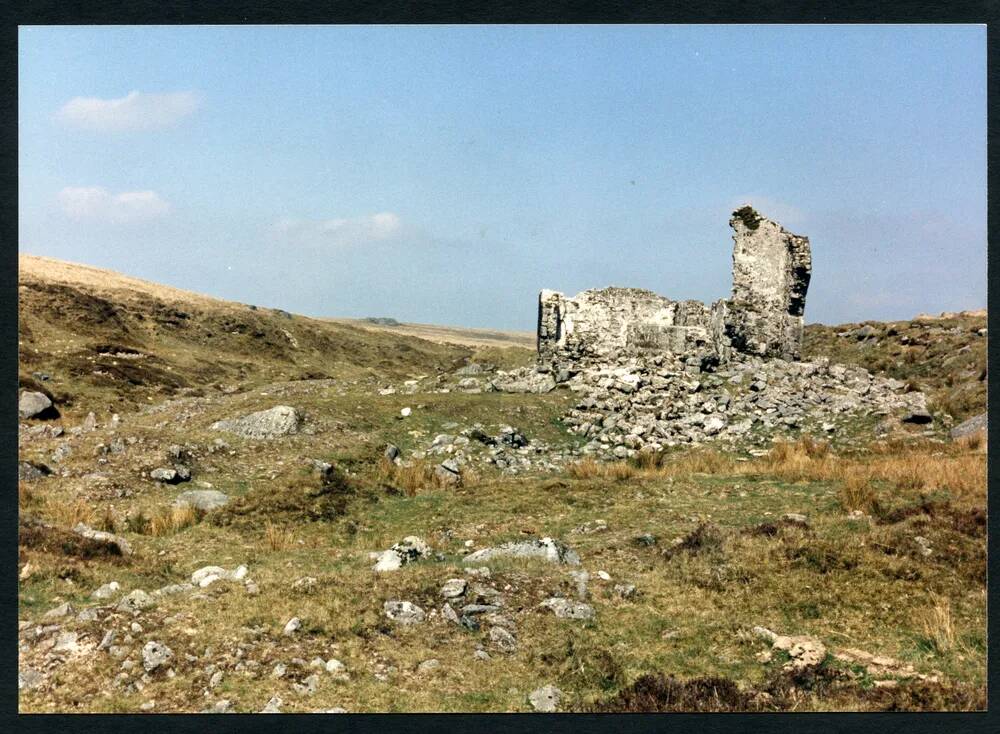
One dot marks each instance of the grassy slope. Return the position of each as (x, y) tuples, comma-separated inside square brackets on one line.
[(852, 583), (944, 357), (72, 323)]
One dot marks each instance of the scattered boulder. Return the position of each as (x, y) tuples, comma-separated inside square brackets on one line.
[(306, 584), (63, 610), (804, 652), (403, 612), (273, 706), (428, 666), (225, 706), (29, 678), (35, 405), (545, 699), (409, 549), (449, 614), (523, 382), (568, 609), (969, 427), (202, 499), (335, 667), (281, 420), (292, 626), (880, 665), (172, 589), (917, 411), (502, 639), (119, 544), (135, 602), (170, 476), (547, 549), (29, 471), (626, 592), (448, 473), (453, 588), (308, 686), (105, 591), (208, 575), (155, 654)]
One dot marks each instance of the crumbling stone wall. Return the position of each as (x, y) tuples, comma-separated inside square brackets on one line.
[(771, 269), (771, 272), (604, 323)]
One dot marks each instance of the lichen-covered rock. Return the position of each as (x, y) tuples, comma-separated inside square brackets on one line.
[(28, 471), (568, 609), (403, 612), (544, 548), (202, 499), (155, 654), (545, 699), (970, 427), (448, 473), (120, 544), (523, 381), (501, 639), (35, 405), (135, 602), (804, 652), (409, 549), (208, 575), (280, 420)]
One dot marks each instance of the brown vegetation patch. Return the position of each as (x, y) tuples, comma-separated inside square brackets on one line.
[(707, 537), (35, 535), (658, 693), (303, 497)]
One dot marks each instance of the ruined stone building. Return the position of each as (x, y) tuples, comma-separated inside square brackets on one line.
[(763, 316)]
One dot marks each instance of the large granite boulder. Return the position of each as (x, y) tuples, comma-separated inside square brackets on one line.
[(280, 420)]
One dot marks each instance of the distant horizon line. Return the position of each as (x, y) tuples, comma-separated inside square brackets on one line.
[(923, 315)]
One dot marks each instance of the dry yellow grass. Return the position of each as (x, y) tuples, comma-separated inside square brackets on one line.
[(24, 494), (917, 467), (35, 267), (922, 467), (856, 491), (277, 537), (66, 512), (698, 461), (169, 521), (417, 475), (973, 442), (937, 625)]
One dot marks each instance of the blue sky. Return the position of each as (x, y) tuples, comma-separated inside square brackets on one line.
[(445, 174)]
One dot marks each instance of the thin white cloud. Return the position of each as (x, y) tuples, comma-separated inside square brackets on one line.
[(97, 204), (338, 232), (134, 111)]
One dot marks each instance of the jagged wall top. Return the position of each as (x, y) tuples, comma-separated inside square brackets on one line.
[(771, 271)]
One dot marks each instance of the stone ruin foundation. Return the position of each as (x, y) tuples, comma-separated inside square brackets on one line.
[(763, 316), (654, 373)]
